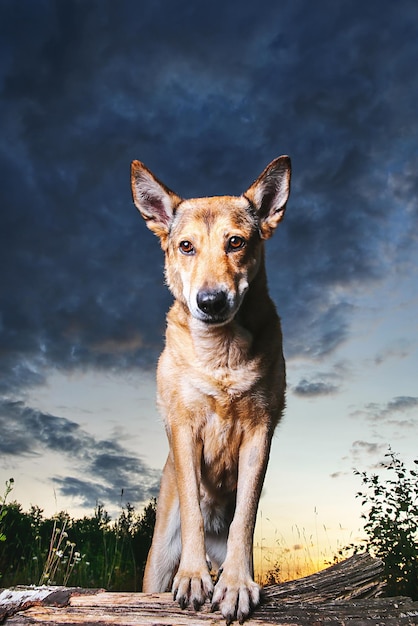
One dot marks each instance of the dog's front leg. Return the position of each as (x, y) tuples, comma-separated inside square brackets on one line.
[(192, 582), (236, 593)]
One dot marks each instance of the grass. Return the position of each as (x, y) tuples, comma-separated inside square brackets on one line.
[(300, 554)]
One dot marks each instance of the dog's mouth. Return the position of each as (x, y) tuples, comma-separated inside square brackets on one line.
[(215, 320)]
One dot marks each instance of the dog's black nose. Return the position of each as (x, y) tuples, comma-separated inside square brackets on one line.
[(212, 302)]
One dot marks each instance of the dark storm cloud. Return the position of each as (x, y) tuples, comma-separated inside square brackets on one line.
[(312, 389), (361, 448), (26, 431), (392, 410), (401, 404), (363, 453), (398, 414), (206, 97), (324, 382), (392, 420), (90, 492)]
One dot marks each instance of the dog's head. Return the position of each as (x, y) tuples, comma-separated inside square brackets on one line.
[(213, 246)]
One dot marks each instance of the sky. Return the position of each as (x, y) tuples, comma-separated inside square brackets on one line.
[(206, 95)]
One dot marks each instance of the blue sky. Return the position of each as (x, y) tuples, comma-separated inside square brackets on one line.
[(205, 95)]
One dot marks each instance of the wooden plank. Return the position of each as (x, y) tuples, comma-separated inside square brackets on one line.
[(162, 611), (347, 594), (357, 577), (20, 598)]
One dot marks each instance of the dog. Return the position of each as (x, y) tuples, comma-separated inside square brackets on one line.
[(221, 385)]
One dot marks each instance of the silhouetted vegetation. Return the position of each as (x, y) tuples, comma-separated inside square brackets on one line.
[(391, 524), (88, 552)]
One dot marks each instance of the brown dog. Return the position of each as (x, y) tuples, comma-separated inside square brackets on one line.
[(221, 385)]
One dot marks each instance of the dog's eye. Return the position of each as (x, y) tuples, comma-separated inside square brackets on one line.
[(236, 243), (186, 247)]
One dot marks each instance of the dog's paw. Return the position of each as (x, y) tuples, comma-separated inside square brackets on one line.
[(192, 588), (235, 597)]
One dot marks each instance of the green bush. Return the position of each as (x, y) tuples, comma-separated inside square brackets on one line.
[(392, 523), (88, 552)]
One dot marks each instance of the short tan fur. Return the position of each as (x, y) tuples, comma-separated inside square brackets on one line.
[(221, 385)]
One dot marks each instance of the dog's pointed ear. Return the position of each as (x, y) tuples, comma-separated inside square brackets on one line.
[(269, 194), (155, 201)]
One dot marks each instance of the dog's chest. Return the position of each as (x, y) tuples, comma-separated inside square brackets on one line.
[(214, 362), (223, 383), (221, 441), (223, 369)]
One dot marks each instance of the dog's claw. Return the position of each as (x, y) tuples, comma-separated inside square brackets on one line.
[(192, 588), (235, 599), (183, 602), (230, 615)]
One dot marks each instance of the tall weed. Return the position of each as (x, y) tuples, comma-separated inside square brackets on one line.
[(3, 508)]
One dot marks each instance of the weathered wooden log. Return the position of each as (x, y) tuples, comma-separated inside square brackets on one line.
[(346, 594)]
